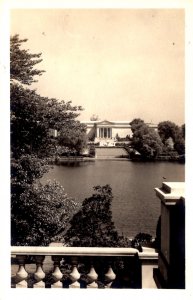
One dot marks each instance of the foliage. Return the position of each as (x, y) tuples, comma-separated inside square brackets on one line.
[(41, 214), (169, 144), (151, 144), (136, 124), (27, 169), (142, 240), (91, 150), (180, 145), (92, 225), (92, 133), (32, 117), (73, 137), (22, 62), (145, 140), (28, 134), (183, 131), (33, 206), (168, 129)]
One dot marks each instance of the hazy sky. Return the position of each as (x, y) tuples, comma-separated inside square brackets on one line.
[(117, 63)]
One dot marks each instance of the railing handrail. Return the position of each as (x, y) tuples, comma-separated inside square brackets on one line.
[(81, 251), (72, 251), (148, 255)]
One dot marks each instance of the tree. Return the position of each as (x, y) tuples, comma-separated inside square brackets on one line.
[(142, 240), (32, 117), (183, 127), (168, 129), (179, 145), (145, 140), (92, 225), (73, 137), (136, 124), (46, 211), (92, 133), (22, 62)]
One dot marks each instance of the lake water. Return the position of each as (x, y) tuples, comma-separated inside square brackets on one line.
[(135, 207)]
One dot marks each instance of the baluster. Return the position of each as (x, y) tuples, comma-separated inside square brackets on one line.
[(21, 275), (92, 277), (109, 277), (57, 274), (39, 274), (74, 275)]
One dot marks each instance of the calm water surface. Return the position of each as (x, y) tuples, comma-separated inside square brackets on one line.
[(135, 207)]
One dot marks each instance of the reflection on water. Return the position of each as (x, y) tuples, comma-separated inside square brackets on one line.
[(135, 207)]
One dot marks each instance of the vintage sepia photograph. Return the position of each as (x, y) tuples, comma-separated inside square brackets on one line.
[(97, 148)]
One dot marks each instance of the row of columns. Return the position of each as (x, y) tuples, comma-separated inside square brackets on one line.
[(104, 132)]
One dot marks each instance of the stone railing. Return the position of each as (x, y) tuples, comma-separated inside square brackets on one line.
[(82, 267)]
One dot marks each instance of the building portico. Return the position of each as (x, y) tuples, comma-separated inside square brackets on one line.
[(104, 132)]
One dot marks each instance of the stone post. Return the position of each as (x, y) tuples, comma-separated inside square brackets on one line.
[(171, 261), (148, 258)]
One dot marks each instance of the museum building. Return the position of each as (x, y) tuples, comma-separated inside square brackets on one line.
[(106, 132)]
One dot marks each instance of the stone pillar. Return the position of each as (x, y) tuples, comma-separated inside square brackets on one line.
[(147, 268), (102, 132), (148, 262), (97, 132), (171, 261)]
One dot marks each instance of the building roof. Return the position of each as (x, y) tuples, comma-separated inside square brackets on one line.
[(106, 122)]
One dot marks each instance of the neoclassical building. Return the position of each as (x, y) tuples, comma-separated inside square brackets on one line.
[(107, 131)]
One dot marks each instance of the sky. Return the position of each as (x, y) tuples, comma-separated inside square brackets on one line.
[(119, 64)]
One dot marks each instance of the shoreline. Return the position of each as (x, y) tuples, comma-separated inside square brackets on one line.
[(87, 159), (66, 159)]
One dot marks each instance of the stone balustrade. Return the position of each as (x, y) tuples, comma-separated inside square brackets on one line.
[(82, 267)]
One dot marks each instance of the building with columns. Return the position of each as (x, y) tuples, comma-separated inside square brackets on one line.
[(106, 131)]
